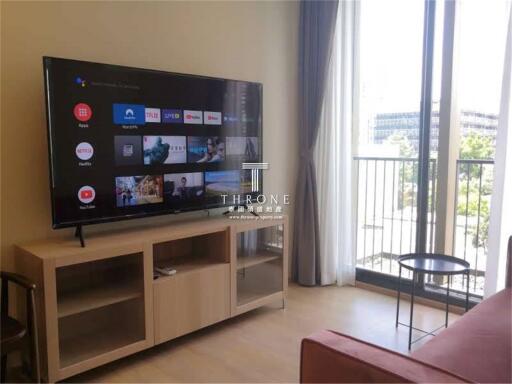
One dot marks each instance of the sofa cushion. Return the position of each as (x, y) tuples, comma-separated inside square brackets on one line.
[(478, 345)]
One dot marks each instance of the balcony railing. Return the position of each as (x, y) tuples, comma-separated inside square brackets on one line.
[(386, 214), (472, 208)]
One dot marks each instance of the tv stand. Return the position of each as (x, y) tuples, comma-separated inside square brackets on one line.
[(101, 303), (80, 234)]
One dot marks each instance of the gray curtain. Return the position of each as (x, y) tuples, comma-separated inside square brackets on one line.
[(317, 25)]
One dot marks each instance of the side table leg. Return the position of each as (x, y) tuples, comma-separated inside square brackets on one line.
[(447, 300), (412, 307), (398, 294)]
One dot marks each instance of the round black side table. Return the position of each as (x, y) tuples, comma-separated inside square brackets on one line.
[(435, 264)]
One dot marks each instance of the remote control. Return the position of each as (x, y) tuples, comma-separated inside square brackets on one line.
[(166, 271)]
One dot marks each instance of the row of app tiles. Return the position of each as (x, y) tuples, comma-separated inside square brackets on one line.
[(137, 114), (153, 150), (173, 187)]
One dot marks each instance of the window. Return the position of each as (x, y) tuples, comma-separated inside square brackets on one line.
[(390, 46)]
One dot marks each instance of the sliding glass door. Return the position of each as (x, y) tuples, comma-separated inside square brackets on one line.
[(426, 99), (388, 113), (470, 125)]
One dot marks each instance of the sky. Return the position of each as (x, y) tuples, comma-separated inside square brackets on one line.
[(391, 54)]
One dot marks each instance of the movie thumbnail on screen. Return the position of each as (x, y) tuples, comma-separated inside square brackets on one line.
[(139, 190), (165, 149), (222, 183), (183, 186), (206, 149)]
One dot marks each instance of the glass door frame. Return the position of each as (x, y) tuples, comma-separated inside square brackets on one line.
[(422, 193)]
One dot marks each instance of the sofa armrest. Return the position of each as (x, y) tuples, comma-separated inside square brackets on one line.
[(330, 357)]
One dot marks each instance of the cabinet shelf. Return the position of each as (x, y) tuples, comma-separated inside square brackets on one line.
[(249, 296), (258, 258), (76, 302), (85, 346)]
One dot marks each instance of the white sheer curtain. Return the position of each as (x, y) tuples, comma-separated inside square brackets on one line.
[(333, 158), (500, 224)]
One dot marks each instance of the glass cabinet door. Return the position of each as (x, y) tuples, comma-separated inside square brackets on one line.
[(259, 263)]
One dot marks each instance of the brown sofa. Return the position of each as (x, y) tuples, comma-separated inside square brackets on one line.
[(476, 348)]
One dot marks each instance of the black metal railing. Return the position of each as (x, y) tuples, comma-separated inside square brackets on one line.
[(386, 217), (386, 210), (474, 180)]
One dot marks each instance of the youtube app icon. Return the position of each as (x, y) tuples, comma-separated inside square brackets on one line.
[(86, 194)]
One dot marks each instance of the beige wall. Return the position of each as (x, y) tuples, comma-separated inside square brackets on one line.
[(254, 41)]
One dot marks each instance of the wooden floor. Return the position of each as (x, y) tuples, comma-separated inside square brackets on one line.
[(263, 345)]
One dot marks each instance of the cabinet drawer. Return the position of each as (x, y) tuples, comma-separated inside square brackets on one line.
[(190, 300)]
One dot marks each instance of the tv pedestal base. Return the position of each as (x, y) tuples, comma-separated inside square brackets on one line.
[(224, 266)]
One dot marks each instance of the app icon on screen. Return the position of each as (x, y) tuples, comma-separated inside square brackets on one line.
[(128, 150), (84, 151), (129, 114), (212, 118), (82, 112), (86, 194), (192, 117), (152, 115), (172, 116)]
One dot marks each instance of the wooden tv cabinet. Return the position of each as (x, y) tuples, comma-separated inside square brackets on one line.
[(101, 303)]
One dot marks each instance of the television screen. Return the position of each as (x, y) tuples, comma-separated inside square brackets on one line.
[(127, 142)]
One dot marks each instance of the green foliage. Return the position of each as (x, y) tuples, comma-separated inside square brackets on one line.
[(472, 206), (475, 146), (483, 233)]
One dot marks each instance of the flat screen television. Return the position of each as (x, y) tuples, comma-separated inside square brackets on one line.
[(128, 142)]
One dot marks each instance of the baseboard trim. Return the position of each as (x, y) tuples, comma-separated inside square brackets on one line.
[(417, 299)]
